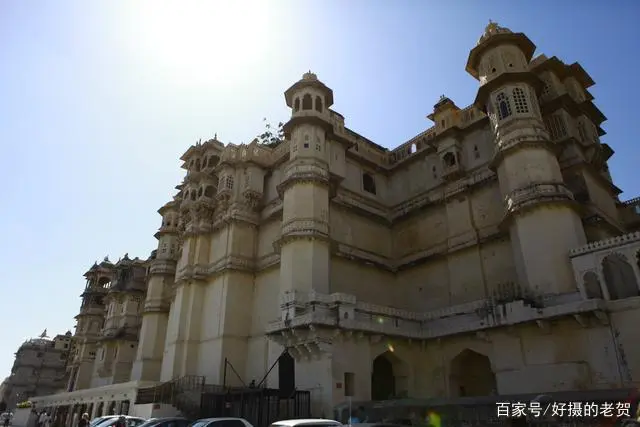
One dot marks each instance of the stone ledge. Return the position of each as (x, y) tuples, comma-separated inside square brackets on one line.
[(338, 311)]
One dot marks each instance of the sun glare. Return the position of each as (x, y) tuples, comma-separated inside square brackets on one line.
[(212, 39)]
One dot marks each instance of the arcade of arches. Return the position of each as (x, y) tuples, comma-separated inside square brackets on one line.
[(620, 277), (470, 374)]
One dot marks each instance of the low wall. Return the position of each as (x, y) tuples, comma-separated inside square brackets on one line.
[(153, 410)]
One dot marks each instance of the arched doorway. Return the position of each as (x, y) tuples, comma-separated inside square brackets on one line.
[(471, 375), (286, 374), (388, 377), (619, 277)]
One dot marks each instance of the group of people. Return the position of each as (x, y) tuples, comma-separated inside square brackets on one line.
[(44, 419), (6, 418)]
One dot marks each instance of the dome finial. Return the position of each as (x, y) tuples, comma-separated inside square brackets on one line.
[(309, 76)]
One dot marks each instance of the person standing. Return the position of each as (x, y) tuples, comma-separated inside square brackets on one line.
[(84, 420), (47, 420), (41, 418)]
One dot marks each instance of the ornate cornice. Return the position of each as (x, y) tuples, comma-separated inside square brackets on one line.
[(534, 195), (302, 228), (163, 267), (267, 261), (200, 272), (510, 141), (304, 171)]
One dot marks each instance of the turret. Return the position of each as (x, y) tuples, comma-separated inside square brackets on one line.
[(167, 235), (306, 185), (155, 314), (539, 208), (309, 100), (446, 118)]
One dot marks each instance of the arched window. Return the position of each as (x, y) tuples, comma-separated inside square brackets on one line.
[(413, 148), (520, 101), (504, 109), (208, 192), (449, 159), (296, 105), (318, 104), (434, 172), (307, 102), (476, 152), (368, 183), (193, 195), (619, 277), (198, 165), (200, 191)]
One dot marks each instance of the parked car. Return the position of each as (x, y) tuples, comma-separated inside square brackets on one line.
[(380, 424), (94, 422), (131, 421), (309, 422), (167, 422), (221, 422)]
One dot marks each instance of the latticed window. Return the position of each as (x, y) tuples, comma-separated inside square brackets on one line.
[(534, 101), (546, 90), (504, 108), (520, 101), (228, 182), (555, 125)]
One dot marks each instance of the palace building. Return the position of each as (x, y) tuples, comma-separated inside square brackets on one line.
[(490, 254)]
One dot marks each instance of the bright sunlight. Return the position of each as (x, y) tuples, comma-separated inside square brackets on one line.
[(205, 40)]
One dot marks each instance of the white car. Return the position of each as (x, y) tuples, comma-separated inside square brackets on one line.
[(130, 421), (94, 422), (222, 422), (309, 422)]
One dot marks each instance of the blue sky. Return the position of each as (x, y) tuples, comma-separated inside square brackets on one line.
[(100, 98)]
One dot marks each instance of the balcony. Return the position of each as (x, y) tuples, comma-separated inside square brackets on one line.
[(344, 314)]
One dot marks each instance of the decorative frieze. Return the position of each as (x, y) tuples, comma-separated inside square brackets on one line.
[(625, 239)]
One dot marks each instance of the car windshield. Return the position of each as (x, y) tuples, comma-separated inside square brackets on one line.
[(150, 423), (97, 421), (199, 424)]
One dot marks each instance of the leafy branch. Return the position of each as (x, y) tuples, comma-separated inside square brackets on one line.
[(272, 135)]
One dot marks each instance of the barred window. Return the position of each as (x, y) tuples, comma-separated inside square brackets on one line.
[(546, 90), (534, 101), (520, 101), (504, 108), (555, 125), (228, 182)]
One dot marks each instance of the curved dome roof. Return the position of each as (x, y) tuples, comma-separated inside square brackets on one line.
[(491, 30)]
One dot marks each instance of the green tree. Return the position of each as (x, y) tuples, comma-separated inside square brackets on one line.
[(272, 135)]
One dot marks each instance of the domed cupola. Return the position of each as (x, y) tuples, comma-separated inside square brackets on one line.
[(499, 51), (309, 97)]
